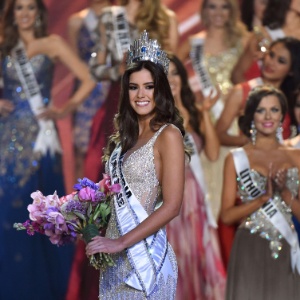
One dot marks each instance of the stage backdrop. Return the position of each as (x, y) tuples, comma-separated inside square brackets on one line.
[(59, 11)]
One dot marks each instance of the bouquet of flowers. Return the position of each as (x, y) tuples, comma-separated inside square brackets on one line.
[(84, 213)]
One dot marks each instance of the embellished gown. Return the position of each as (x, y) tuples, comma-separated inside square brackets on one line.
[(139, 171), (260, 261), (201, 274), (83, 117), (28, 265)]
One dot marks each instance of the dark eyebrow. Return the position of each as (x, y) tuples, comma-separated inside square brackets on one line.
[(143, 84)]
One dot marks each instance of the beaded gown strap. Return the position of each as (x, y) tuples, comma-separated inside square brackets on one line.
[(157, 133)]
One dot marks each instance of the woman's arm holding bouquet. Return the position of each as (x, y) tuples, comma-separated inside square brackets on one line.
[(169, 159)]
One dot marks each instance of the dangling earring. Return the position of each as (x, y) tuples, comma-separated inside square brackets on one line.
[(37, 22), (279, 131), (253, 132)]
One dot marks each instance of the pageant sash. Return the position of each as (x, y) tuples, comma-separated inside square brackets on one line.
[(91, 22), (269, 209), (121, 31), (197, 45), (242, 168), (148, 257), (275, 34), (253, 83), (47, 138), (196, 167)]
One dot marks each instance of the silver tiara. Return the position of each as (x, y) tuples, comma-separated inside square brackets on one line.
[(146, 49)]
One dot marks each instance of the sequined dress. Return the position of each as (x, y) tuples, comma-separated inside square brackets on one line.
[(260, 261), (28, 265), (84, 114), (139, 171), (201, 274), (219, 68)]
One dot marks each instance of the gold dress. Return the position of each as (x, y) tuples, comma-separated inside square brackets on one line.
[(219, 68)]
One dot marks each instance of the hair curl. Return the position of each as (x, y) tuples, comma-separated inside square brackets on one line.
[(254, 98), (10, 32), (153, 17), (126, 121), (187, 96)]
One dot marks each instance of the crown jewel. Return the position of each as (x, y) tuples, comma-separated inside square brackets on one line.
[(146, 49)]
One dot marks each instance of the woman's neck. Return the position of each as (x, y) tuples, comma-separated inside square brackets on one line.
[(269, 142), (216, 32), (26, 36), (275, 83)]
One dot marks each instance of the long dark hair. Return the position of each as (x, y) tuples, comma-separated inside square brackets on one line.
[(291, 81), (187, 96), (10, 33), (254, 98), (126, 121), (275, 13), (247, 13)]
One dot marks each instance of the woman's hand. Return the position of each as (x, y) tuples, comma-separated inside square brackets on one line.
[(102, 244), (6, 107), (279, 179), (209, 101), (269, 191), (52, 113)]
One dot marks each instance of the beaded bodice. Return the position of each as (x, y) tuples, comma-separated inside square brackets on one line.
[(20, 128), (257, 222), (220, 66), (139, 172)]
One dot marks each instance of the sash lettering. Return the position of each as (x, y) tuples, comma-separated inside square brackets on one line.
[(47, 138)]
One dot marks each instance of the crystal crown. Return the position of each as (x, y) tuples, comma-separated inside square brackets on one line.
[(146, 49)]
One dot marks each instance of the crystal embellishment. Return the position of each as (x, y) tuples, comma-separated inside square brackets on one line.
[(144, 49)]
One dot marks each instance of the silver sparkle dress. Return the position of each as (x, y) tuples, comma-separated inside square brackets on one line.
[(260, 261), (139, 171)]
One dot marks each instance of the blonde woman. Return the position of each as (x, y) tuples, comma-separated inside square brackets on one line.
[(214, 53)]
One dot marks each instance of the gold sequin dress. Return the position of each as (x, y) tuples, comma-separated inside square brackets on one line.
[(219, 68), (139, 171)]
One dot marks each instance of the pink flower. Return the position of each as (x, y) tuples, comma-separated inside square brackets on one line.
[(66, 198), (37, 197), (106, 186), (87, 194), (52, 200), (36, 212)]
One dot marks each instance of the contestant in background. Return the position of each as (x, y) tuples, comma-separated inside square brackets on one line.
[(281, 19), (193, 234), (30, 157), (214, 52), (280, 69), (252, 12), (84, 36), (119, 26), (265, 258)]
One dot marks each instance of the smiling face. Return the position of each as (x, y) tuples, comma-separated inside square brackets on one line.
[(25, 14), (174, 80), (268, 115), (217, 13), (277, 63), (141, 93)]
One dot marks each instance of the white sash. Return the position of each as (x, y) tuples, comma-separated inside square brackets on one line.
[(275, 34), (91, 22), (196, 167), (253, 83), (121, 31), (47, 138), (148, 257), (269, 209), (197, 45)]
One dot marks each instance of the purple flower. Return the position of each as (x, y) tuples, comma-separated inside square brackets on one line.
[(85, 182), (75, 205), (87, 194)]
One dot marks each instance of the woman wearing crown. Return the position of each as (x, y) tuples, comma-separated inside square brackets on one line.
[(140, 156)]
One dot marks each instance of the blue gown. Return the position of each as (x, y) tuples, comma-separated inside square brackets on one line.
[(85, 113), (30, 266)]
